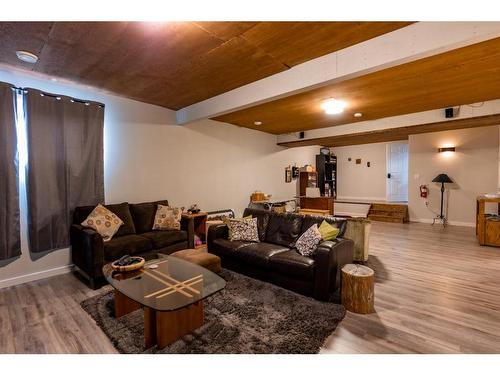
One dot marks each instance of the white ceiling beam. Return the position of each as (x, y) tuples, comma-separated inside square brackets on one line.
[(407, 44)]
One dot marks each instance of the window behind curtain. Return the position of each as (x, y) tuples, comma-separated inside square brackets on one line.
[(10, 243)]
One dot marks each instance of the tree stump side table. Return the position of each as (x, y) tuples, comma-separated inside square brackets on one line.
[(358, 288)]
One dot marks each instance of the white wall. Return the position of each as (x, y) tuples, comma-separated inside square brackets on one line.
[(473, 168), (214, 164), (146, 158), (357, 181)]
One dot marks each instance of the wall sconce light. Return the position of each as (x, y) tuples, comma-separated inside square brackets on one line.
[(446, 149)]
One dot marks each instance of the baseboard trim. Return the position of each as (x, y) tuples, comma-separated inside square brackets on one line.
[(454, 223), (35, 276), (361, 199)]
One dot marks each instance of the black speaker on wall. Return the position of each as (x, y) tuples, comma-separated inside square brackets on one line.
[(302, 135), (449, 113)]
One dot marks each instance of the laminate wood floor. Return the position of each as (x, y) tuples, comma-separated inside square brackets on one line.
[(436, 291)]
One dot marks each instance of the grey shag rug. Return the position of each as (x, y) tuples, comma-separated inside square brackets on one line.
[(248, 316)]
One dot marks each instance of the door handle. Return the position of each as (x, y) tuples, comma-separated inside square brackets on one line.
[(388, 175)]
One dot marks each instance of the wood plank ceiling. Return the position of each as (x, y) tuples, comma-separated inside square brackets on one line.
[(175, 64), (462, 76)]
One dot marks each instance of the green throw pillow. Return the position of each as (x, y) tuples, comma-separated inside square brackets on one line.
[(227, 221), (328, 231)]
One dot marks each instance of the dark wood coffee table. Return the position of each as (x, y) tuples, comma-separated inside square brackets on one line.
[(171, 295)]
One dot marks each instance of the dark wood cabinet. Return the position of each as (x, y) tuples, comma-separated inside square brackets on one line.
[(326, 166)]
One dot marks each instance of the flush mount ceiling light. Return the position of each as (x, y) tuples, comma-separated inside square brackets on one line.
[(358, 114), (257, 123), (333, 106), (27, 57)]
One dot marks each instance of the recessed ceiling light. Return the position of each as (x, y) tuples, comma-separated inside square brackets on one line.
[(27, 57), (358, 114), (257, 123), (333, 106)]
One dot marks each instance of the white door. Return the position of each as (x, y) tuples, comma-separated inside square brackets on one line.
[(397, 172)]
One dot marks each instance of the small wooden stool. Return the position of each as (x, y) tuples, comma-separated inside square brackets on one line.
[(198, 256), (358, 288)]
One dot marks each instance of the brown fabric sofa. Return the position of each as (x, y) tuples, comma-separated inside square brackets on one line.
[(275, 260), (135, 237)]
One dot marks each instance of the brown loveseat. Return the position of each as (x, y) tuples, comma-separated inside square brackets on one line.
[(135, 237)]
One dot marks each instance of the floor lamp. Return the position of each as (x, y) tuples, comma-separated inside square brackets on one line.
[(443, 179)]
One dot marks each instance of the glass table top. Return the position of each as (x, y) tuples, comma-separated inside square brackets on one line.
[(173, 284)]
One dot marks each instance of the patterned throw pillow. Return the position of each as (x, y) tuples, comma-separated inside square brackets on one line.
[(308, 242), (103, 221), (244, 230), (227, 220), (167, 218)]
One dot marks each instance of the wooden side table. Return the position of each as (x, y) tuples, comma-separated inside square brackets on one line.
[(310, 211), (487, 228), (196, 224), (318, 203), (358, 288)]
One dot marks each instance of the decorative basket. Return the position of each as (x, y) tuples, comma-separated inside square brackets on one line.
[(257, 196), (131, 267), (358, 230)]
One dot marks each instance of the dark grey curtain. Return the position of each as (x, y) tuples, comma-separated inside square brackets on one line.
[(65, 165), (10, 243)]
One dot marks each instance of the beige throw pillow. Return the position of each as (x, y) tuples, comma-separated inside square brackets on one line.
[(167, 218), (103, 221)]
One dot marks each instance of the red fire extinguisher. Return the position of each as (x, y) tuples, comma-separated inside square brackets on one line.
[(424, 191)]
